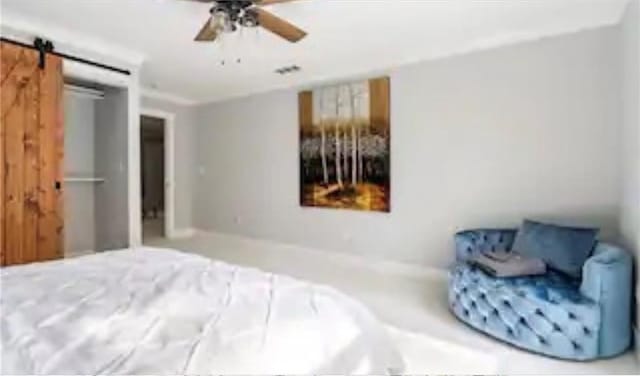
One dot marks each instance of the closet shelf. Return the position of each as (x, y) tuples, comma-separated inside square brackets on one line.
[(83, 179)]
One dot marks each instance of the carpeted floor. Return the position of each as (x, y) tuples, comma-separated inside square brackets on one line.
[(413, 305)]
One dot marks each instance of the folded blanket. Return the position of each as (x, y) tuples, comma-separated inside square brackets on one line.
[(508, 264)]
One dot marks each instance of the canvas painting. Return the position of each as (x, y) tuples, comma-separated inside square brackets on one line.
[(345, 146)]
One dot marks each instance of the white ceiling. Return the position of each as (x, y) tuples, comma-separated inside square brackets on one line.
[(346, 37)]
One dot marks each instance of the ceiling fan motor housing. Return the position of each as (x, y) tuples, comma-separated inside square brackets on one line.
[(237, 11)]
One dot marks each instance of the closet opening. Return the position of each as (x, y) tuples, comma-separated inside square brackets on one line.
[(96, 122), (156, 174)]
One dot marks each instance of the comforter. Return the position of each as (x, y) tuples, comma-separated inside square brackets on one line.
[(156, 311)]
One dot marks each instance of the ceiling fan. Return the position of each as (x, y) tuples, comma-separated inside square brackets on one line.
[(228, 15)]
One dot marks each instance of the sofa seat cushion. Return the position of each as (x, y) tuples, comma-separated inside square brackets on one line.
[(545, 314)]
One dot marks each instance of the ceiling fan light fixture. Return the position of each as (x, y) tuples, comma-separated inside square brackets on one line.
[(217, 21), (229, 27), (249, 19), (221, 21)]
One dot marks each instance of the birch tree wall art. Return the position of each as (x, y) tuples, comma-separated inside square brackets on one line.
[(345, 146)]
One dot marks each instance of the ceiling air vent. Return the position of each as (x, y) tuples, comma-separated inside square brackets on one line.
[(288, 70)]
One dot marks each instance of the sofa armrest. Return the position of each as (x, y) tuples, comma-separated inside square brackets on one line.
[(607, 279), (471, 242)]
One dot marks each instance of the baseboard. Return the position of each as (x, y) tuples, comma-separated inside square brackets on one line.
[(379, 265), (636, 336), (181, 233), (79, 253), (636, 329)]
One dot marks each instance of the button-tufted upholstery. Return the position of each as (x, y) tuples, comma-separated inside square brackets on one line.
[(472, 242), (551, 314)]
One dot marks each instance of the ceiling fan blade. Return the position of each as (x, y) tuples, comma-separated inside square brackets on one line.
[(269, 2), (278, 26), (208, 33)]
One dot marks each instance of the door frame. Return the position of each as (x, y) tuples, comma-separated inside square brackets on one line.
[(169, 119), (131, 84)]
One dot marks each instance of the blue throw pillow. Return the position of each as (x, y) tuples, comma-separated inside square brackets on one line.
[(565, 249)]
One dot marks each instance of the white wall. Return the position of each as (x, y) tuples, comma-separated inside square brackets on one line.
[(484, 139), (185, 156), (79, 213), (630, 213)]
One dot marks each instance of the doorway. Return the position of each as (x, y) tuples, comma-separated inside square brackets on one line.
[(156, 174)]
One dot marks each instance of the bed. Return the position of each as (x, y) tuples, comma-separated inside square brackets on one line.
[(159, 311)]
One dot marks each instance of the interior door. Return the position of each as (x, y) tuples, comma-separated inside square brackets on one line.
[(31, 155)]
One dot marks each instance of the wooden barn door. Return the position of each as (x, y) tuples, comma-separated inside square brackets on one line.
[(31, 155)]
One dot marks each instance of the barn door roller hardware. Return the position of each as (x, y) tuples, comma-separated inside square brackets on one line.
[(44, 47)]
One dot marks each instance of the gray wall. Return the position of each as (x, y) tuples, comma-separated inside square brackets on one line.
[(184, 160), (79, 213), (111, 141), (484, 139), (630, 213)]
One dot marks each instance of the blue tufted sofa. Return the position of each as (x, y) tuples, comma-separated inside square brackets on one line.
[(551, 314)]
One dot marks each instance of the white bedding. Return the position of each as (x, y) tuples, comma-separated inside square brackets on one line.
[(153, 311)]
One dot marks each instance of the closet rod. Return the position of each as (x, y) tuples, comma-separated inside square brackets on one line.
[(84, 91), (66, 56), (76, 179)]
